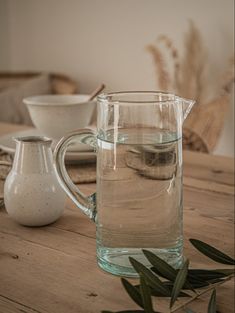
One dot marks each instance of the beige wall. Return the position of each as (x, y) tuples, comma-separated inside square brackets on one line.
[(4, 36), (103, 40)]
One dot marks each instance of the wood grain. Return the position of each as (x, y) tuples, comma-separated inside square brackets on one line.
[(6, 128), (53, 269)]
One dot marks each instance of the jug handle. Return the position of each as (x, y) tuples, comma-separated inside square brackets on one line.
[(86, 204)]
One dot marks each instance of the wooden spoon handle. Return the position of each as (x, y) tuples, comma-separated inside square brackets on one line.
[(96, 92)]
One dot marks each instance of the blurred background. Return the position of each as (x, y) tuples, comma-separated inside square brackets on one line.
[(108, 41)]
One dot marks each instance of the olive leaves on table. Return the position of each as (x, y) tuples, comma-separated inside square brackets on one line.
[(212, 252), (162, 280)]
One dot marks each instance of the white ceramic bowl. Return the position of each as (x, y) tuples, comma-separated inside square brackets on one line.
[(56, 115)]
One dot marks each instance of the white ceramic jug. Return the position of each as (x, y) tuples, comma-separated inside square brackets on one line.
[(32, 194)]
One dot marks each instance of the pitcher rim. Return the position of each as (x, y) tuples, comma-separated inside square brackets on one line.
[(172, 97), (33, 139)]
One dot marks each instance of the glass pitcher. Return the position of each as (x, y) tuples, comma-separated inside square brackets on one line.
[(138, 203)]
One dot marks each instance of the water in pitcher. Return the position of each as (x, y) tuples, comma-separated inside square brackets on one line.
[(139, 199)]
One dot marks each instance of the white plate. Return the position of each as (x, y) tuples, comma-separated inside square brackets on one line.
[(76, 153)]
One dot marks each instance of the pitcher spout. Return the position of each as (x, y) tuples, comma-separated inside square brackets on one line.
[(187, 105)]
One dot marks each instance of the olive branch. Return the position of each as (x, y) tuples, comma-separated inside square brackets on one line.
[(162, 280)]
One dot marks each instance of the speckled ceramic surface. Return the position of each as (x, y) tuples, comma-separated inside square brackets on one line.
[(32, 194)]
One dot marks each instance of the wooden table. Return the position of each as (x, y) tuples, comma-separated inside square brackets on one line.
[(53, 269)]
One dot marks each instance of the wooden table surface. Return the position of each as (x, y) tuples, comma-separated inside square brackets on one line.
[(53, 268)]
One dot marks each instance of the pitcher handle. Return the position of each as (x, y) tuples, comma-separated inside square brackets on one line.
[(86, 204)]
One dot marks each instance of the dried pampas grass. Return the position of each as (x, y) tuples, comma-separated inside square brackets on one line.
[(192, 79), (228, 78), (160, 67), (175, 58), (204, 124)]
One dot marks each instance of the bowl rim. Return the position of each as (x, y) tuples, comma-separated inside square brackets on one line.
[(56, 100)]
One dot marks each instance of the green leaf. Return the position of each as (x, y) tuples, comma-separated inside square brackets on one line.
[(146, 295), (213, 281), (205, 274), (225, 271), (212, 252), (193, 284), (156, 293), (163, 269), (132, 292), (195, 281), (179, 282), (151, 279), (161, 266), (212, 303), (198, 284)]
